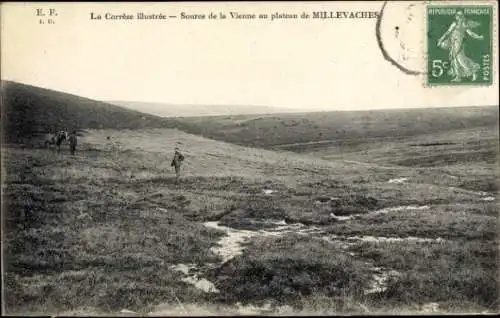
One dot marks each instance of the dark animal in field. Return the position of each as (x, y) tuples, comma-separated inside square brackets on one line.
[(56, 139)]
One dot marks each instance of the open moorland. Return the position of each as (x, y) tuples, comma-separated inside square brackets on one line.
[(386, 219)]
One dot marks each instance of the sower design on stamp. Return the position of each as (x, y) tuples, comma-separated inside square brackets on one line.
[(459, 45)]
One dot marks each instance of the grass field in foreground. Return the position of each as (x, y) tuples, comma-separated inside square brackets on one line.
[(100, 230)]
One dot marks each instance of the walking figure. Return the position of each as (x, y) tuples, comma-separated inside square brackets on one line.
[(72, 142), (176, 163)]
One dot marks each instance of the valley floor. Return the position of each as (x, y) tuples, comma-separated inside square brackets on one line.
[(394, 227)]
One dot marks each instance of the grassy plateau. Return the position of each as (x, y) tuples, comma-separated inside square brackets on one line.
[(367, 223)]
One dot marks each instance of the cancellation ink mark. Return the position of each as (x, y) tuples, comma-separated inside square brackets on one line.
[(385, 54)]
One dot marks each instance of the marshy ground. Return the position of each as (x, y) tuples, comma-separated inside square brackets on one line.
[(394, 226)]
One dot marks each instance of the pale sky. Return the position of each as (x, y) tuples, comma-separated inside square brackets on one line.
[(332, 64)]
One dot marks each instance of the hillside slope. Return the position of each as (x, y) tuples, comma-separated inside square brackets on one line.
[(108, 229), (29, 110), (177, 110), (294, 131)]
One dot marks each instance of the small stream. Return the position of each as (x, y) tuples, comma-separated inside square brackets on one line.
[(232, 245)]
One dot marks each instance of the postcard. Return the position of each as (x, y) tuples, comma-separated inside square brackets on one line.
[(249, 158)]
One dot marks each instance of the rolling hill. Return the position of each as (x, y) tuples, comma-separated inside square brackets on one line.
[(320, 129), (175, 110), (28, 110)]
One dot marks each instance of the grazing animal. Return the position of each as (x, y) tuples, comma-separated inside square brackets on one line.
[(57, 139), (176, 163)]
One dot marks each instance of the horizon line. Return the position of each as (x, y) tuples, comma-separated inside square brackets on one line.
[(283, 108)]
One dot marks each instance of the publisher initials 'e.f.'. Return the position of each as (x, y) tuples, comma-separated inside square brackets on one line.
[(41, 13)]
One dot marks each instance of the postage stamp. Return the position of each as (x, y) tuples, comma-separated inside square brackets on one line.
[(459, 45)]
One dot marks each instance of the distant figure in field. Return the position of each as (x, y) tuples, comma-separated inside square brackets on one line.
[(176, 163), (72, 142), (57, 139)]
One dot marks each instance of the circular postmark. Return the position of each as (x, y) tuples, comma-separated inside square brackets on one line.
[(401, 32)]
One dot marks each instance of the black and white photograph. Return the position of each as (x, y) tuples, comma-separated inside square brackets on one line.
[(249, 158)]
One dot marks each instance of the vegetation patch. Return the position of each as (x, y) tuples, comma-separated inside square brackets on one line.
[(445, 221), (83, 243), (462, 271), (288, 268)]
